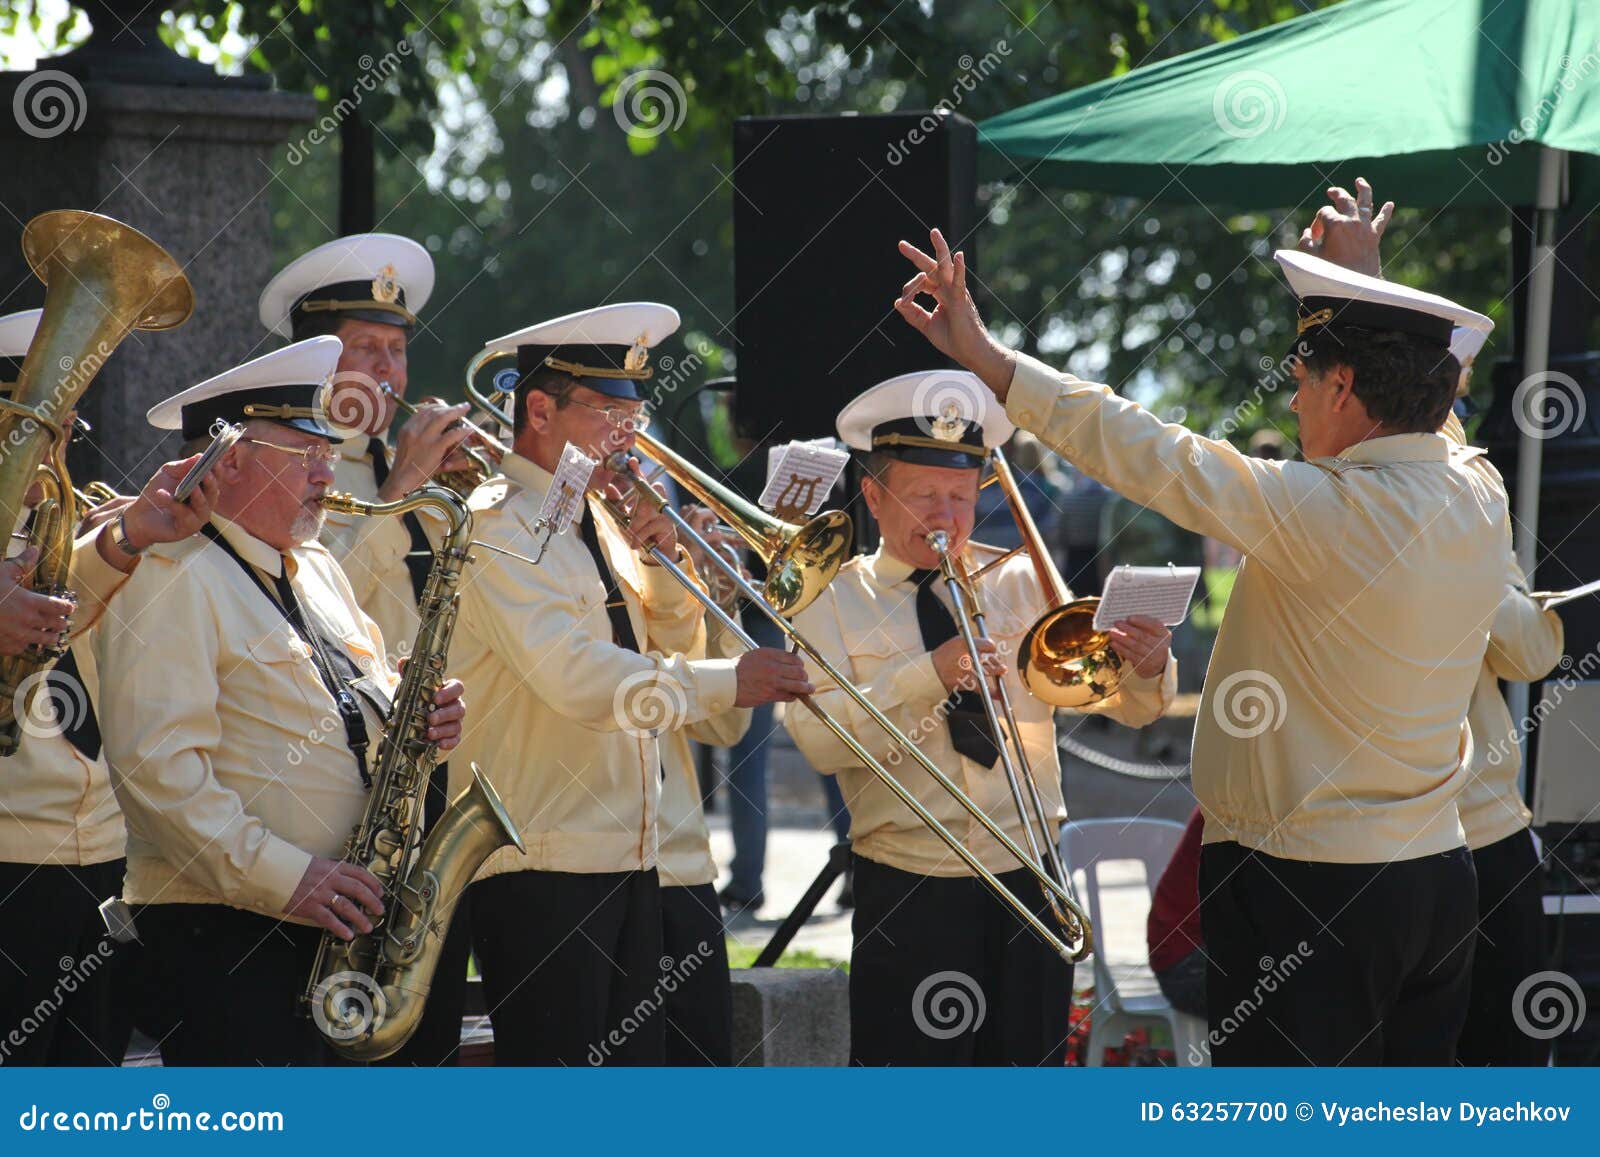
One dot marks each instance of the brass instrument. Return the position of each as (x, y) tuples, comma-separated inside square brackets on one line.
[(367, 994), (478, 398), (801, 559), (1036, 825), (1064, 660), (1075, 941), (103, 280), (484, 466), (96, 493)]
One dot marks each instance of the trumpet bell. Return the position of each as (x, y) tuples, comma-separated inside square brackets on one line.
[(800, 570), (1065, 661)]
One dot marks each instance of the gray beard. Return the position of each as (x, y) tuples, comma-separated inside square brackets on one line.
[(307, 525)]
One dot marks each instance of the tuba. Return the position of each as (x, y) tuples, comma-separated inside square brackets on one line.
[(367, 995), (103, 280)]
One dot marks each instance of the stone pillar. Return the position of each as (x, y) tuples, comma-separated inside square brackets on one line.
[(190, 167), (791, 1016)]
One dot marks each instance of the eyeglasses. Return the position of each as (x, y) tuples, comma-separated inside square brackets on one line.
[(321, 454), (636, 420)]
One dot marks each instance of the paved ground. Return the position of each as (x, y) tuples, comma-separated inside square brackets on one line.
[(799, 839)]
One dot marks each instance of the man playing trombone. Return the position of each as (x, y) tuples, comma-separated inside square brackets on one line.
[(944, 972)]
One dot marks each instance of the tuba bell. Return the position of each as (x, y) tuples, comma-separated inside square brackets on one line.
[(103, 280)]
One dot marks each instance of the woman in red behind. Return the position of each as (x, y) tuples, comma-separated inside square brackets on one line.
[(1177, 955)]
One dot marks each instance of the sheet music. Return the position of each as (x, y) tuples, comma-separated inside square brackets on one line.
[(801, 475), (1548, 599), (566, 489), (1162, 592)]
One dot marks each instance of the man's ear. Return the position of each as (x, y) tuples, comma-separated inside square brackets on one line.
[(872, 492), (538, 406), (1341, 381), (230, 467)]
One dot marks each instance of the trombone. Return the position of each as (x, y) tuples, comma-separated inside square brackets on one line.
[(1075, 940), (969, 617), (1064, 660)]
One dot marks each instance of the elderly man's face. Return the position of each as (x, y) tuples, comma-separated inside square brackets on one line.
[(911, 501), (274, 491)]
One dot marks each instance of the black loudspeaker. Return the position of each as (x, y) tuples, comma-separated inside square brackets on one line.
[(819, 203)]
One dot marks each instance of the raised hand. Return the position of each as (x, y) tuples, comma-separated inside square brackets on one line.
[(1348, 232), (954, 326)]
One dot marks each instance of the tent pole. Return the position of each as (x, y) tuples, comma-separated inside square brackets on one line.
[(1535, 364)]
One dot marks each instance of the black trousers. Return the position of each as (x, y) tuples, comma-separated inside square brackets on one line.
[(64, 991), (570, 963), (1336, 964), (943, 973), (1510, 948), (697, 991), (224, 986)]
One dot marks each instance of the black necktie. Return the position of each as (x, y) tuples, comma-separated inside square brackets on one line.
[(616, 610), (968, 723), (419, 559), (66, 689)]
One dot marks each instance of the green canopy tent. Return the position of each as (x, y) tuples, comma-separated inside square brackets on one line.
[(1447, 102)]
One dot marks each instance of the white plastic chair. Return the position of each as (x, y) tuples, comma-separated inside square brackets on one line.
[(1115, 864)]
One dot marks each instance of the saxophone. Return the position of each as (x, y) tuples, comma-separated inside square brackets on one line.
[(366, 995)]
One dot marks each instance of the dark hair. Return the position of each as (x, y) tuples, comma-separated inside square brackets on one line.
[(1406, 383), (547, 381)]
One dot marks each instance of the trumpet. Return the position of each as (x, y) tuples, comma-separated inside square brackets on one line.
[(478, 398), (1064, 660), (1075, 939), (970, 621), (484, 466)]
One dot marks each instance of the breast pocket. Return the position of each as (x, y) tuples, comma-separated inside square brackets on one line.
[(289, 679), (872, 651)]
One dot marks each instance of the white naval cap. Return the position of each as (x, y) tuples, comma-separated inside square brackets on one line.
[(931, 417), (379, 277), (16, 332), (607, 348), (289, 385), (1333, 295), (1465, 342)]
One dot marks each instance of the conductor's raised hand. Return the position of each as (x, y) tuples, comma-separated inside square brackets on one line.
[(1348, 232), (953, 325)]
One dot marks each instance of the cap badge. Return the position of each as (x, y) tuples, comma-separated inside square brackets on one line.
[(638, 355), (384, 286), (949, 426)]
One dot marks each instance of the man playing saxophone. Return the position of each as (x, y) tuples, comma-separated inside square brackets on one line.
[(584, 659), (922, 915), (61, 834), (244, 695)]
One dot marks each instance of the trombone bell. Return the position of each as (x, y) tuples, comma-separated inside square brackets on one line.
[(1065, 661)]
